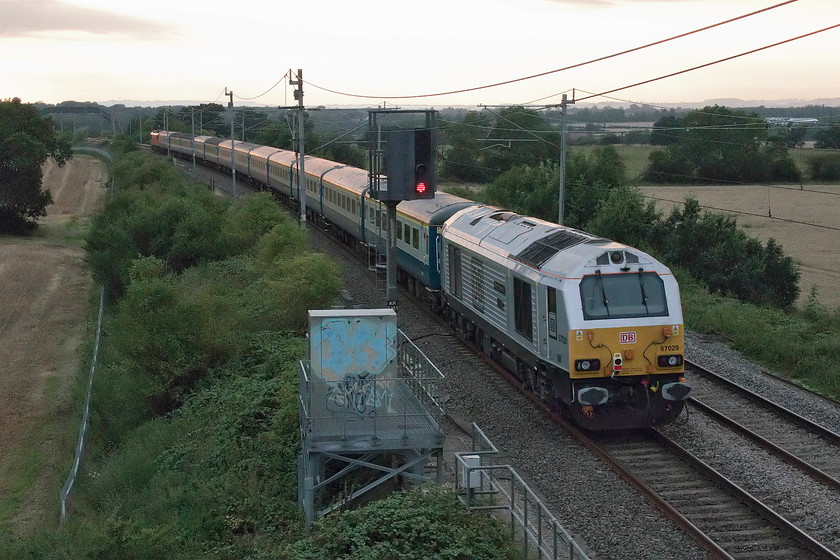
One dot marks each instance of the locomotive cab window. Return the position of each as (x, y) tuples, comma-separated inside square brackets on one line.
[(616, 296)]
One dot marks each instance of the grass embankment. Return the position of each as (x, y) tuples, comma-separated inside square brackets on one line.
[(194, 442), (801, 344)]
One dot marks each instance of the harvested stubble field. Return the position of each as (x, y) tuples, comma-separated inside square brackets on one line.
[(43, 318), (804, 220)]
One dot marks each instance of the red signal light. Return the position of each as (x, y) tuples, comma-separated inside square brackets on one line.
[(420, 188)]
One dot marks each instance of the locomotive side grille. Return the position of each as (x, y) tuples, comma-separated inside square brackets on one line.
[(540, 251)]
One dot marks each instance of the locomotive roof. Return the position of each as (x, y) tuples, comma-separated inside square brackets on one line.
[(536, 243)]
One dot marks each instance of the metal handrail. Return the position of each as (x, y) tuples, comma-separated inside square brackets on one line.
[(500, 488)]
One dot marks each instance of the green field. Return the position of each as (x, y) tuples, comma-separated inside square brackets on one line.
[(635, 157)]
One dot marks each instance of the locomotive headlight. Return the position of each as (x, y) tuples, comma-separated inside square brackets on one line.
[(674, 360), (588, 365)]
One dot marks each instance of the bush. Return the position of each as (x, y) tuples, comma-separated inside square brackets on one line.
[(625, 217), (824, 167), (182, 224), (170, 337), (717, 252), (423, 523)]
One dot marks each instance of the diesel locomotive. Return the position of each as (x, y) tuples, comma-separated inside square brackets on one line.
[(591, 326)]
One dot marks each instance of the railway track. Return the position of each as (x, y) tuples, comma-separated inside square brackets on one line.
[(727, 520), (717, 512), (808, 446)]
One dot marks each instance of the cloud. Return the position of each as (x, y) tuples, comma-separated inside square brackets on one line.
[(36, 18)]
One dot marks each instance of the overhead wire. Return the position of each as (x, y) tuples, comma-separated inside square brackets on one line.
[(698, 67), (277, 83), (337, 138), (546, 73)]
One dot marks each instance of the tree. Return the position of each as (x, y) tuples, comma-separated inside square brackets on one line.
[(718, 145), (26, 141), (713, 249), (828, 137), (520, 136), (665, 131), (533, 189), (479, 148), (464, 158)]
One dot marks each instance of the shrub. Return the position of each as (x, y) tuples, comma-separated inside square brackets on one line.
[(824, 167), (422, 523)]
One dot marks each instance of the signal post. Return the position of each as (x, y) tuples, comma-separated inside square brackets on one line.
[(408, 158)]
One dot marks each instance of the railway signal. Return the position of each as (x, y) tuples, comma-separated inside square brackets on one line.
[(424, 164), (408, 160), (410, 165)]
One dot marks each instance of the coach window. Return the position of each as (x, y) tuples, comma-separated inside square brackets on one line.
[(415, 238), (522, 308)]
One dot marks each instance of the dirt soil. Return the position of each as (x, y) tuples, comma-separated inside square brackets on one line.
[(44, 317), (806, 222)]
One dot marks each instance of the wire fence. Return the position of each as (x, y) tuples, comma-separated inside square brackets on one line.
[(80, 445)]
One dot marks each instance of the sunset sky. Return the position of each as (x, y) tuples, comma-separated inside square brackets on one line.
[(159, 51)]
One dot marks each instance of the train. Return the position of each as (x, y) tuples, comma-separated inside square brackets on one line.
[(594, 328)]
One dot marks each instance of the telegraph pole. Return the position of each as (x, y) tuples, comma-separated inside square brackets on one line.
[(192, 140), (232, 160), (562, 186), (301, 153)]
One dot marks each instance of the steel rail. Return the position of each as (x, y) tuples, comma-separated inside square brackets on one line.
[(765, 511), (780, 452), (791, 415)]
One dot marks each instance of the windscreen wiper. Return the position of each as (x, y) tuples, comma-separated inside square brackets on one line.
[(642, 286), (603, 291)]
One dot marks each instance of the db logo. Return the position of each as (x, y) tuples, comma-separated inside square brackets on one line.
[(627, 337)]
